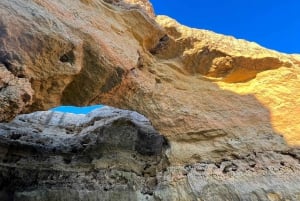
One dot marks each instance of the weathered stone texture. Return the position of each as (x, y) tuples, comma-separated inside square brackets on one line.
[(112, 154), (228, 109), (65, 46), (107, 154)]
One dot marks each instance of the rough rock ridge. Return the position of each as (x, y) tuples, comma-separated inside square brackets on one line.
[(109, 154), (228, 109)]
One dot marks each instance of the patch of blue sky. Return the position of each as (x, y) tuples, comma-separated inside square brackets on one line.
[(76, 110)]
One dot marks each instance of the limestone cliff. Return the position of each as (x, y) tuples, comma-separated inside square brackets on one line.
[(228, 109)]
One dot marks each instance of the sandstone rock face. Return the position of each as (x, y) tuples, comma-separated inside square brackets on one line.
[(145, 4), (228, 108), (214, 96), (58, 47), (15, 94)]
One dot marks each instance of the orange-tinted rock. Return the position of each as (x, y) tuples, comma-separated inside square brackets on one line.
[(63, 47), (15, 93), (204, 91), (144, 4)]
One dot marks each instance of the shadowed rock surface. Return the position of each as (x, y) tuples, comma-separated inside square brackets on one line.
[(105, 155), (228, 108)]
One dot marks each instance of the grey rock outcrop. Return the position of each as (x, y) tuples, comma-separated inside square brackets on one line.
[(108, 154)]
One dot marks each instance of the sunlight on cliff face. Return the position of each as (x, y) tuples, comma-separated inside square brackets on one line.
[(277, 90)]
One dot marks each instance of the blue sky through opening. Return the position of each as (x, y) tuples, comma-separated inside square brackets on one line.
[(76, 110)]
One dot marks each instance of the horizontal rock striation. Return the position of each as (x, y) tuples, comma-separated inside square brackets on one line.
[(113, 154)]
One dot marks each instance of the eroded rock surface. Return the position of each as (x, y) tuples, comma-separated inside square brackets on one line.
[(215, 99), (109, 154), (59, 47), (112, 154)]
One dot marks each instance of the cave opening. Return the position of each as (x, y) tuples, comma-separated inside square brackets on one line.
[(75, 109)]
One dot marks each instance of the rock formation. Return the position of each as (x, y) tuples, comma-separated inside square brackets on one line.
[(112, 154), (228, 109), (108, 154)]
